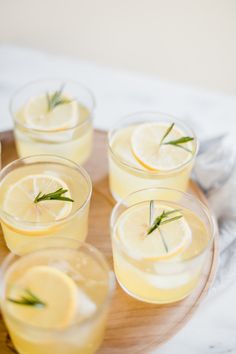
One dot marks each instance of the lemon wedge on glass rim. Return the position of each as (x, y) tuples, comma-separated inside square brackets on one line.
[(146, 147), (133, 225), (38, 116), (19, 199)]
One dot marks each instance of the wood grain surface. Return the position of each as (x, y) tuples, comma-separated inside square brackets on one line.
[(133, 327)]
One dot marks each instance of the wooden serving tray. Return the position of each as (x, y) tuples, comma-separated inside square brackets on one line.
[(133, 327)]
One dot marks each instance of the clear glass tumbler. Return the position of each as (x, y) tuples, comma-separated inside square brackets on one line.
[(55, 299), (41, 197), (53, 117), (128, 174), (160, 245)]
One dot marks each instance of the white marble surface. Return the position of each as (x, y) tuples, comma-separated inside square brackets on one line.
[(212, 329)]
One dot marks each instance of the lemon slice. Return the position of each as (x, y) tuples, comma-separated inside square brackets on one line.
[(120, 143), (145, 144), (132, 229), (63, 116), (19, 199), (55, 289)]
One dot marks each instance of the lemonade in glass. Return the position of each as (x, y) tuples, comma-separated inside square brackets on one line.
[(150, 150), (53, 117), (43, 196), (54, 300), (160, 246)]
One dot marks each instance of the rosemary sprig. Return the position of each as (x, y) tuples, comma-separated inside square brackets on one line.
[(178, 142), (164, 241), (29, 299), (57, 195), (161, 219), (151, 212), (56, 99), (167, 132)]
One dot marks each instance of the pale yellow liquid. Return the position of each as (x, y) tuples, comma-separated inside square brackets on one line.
[(19, 233), (78, 338), (163, 281), (74, 144), (130, 176)]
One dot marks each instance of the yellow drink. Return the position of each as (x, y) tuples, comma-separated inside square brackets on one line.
[(64, 130), (24, 221), (130, 171), (152, 269), (72, 287)]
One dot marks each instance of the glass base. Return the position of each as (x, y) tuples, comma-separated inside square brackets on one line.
[(150, 301)]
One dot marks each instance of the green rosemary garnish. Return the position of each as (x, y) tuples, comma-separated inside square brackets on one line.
[(151, 212), (29, 299), (57, 195), (56, 99), (167, 132), (160, 220), (178, 142)]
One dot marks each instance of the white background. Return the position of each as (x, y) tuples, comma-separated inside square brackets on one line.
[(191, 41)]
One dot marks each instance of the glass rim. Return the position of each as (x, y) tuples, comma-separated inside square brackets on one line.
[(100, 259), (207, 212), (168, 117), (52, 131), (53, 158)]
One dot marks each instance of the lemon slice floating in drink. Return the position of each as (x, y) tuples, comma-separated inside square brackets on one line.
[(133, 226), (20, 197), (62, 116), (149, 152), (121, 145), (56, 295)]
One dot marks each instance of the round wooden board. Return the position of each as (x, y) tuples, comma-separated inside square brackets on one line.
[(133, 327)]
